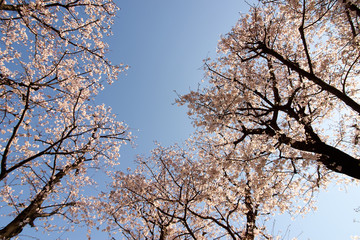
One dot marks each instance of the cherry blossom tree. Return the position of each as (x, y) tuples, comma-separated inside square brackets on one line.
[(287, 79), (205, 192), (52, 60)]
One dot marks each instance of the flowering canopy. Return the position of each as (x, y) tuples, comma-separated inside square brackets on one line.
[(52, 59), (287, 79), (205, 192)]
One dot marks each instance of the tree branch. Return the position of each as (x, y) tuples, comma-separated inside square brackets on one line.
[(312, 77)]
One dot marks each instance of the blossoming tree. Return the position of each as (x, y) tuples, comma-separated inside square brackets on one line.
[(205, 192), (52, 58), (287, 79)]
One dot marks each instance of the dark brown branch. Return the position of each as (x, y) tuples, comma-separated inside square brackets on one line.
[(353, 31), (251, 213), (39, 154), (333, 158), (312, 77), (33, 210), (352, 7), (4, 171), (302, 34)]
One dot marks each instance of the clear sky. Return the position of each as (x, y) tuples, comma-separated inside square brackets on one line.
[(164, 43)]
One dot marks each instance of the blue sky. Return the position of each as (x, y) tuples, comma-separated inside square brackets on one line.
[(164, 43)]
